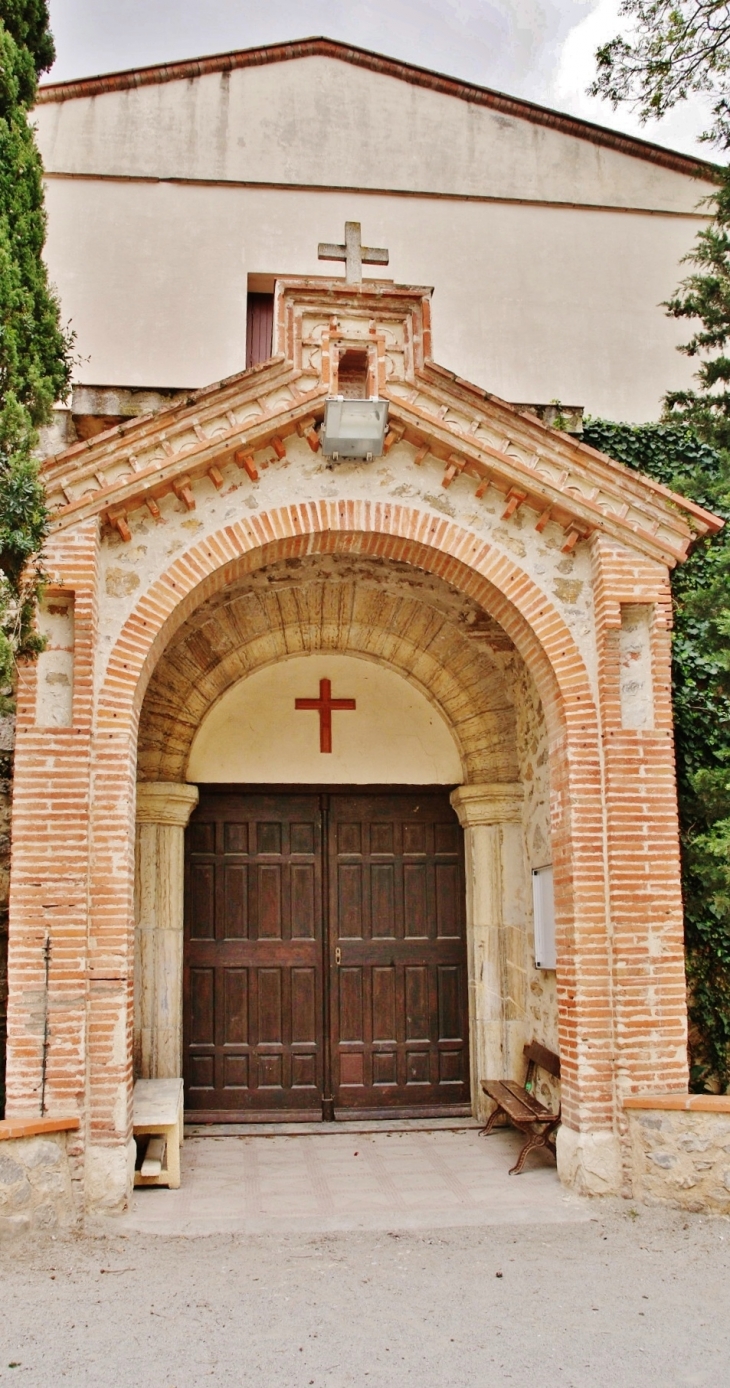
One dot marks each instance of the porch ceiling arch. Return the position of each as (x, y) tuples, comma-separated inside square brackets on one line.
[(388, 531), (387, 613)]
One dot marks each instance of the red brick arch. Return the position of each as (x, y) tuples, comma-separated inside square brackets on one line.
[(386, 531), (481, 572)]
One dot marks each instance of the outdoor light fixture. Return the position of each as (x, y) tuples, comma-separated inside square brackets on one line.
[(354, 428)]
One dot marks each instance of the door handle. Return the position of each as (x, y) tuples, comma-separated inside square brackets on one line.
[(338, 955)]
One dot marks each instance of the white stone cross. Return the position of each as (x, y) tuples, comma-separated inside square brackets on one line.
[(354, 254)]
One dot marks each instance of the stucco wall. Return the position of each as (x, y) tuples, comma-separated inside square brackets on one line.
[(317, 120), (532, 302), (549, 254), (394, 735)]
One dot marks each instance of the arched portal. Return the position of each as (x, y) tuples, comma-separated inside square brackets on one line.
[(158, 668), (443, 700)]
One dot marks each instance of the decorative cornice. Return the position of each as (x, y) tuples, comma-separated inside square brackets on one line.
[(416, 76), (247, 420)]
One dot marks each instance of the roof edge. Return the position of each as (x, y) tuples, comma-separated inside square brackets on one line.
[(187, 69)]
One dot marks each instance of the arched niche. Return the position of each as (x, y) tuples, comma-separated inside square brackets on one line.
[(394, 736)]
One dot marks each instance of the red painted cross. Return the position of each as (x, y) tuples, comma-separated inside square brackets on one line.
[(324, 706)]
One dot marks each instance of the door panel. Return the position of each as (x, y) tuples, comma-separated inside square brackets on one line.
[(397, 956), (264, 1036), (253, 943)]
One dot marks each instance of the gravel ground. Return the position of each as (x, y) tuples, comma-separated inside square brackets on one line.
[(634, 1296)]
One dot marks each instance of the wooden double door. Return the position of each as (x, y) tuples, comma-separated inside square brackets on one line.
[(325, 955)]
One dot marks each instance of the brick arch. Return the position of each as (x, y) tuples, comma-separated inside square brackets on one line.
[(387, 613), (509, 595), (387, 531)]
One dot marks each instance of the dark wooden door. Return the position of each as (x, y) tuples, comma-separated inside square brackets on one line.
[(253, 956), (325, 955), (399, 1007)]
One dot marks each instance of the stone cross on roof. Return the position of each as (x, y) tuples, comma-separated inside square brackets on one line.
[(354, 254)]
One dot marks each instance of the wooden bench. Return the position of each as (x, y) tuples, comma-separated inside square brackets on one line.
[(158, 1114), (524, 1111)]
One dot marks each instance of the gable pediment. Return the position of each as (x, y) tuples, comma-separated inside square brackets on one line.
[(453, 425)]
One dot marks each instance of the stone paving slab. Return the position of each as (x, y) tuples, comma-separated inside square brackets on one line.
[(318, 1182)]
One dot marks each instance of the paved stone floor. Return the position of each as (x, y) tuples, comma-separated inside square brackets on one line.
[(363, 1178)]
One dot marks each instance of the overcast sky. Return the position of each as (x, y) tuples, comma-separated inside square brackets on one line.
[(539, 49)]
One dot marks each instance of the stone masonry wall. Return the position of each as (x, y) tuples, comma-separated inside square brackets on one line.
[(35, 1184), (681, 1158), (533, 758)]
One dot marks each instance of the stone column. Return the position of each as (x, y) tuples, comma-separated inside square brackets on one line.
[(491, 816), (163, 810)]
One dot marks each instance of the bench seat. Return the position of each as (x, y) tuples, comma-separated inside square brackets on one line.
[(158, 1114)]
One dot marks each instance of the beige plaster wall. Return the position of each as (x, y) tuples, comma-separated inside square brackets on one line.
[(395, 735), (532, 302), (321, 121)]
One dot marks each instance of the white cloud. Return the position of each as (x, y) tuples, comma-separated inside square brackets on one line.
[(678, 130)]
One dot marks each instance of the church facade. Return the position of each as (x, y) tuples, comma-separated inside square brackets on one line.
[(320, 746)]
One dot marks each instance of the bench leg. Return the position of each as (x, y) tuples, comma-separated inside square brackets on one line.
[(546, 1138), (173, 1158), (490, 1123)]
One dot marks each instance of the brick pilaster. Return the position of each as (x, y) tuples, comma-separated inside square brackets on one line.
[(642, 835), (49, 875)]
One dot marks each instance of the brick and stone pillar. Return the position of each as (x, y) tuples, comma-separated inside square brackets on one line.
[(163, 810), (491, 816)]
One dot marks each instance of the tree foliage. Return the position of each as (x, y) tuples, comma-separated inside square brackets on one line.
[(673, 453), (704, 299), (35, 352), (676, 48)]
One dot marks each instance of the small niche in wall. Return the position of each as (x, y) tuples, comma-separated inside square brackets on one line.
[(353, 374), (543, 906), (55, 670), (637, 694)]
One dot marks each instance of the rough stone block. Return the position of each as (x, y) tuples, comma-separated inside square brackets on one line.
[(680, 1158), (35, 1185)]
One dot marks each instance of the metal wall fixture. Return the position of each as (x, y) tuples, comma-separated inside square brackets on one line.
[(353, 428)]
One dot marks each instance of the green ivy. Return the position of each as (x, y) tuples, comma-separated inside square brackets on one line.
[(673, 454)]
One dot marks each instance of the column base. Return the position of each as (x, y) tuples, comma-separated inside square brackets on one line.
[(589, 1163), (109, 1177)]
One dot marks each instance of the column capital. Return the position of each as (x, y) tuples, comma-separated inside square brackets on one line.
[(492, 803), (165, 802)]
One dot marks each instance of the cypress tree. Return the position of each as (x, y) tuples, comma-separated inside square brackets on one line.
[(35, 351)]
